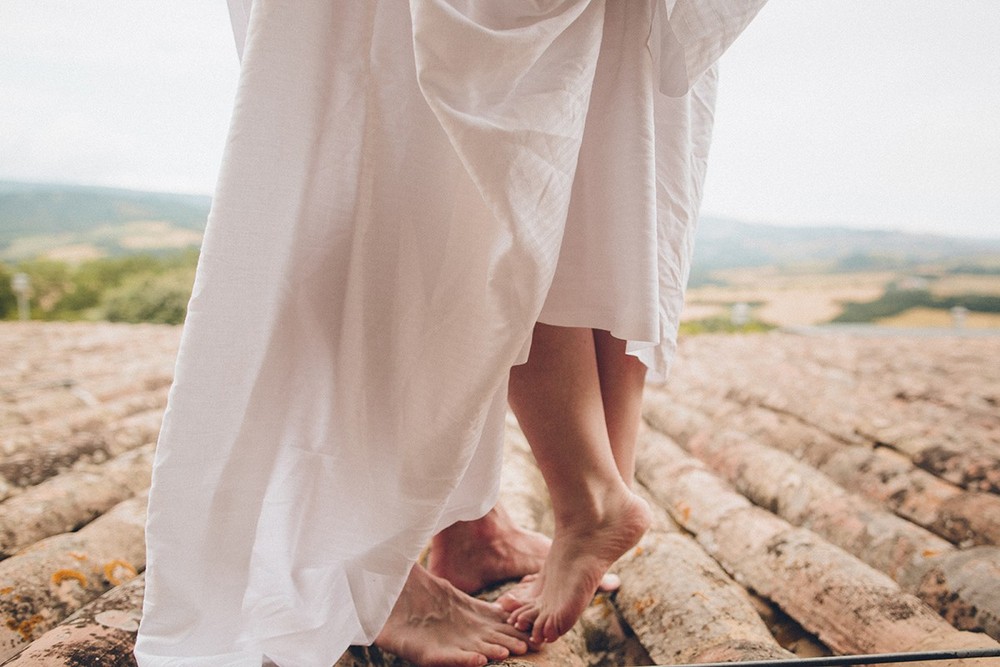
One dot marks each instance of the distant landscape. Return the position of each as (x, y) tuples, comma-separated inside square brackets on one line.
[(75, 223), (122, 255), (99, 253), (796, 276)]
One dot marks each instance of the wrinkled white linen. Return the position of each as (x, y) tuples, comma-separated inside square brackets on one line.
[(405, 191)]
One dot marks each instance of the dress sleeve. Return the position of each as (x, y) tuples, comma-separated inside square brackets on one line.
[(690, 35)]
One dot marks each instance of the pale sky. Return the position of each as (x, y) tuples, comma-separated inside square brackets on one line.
[(879, 114)]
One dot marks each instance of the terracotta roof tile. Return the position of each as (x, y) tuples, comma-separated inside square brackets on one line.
[(813, 495)]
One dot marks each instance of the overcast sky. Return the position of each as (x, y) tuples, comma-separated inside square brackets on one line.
[(868, 113)]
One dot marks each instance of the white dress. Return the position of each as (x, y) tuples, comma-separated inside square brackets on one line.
[(406, 190)]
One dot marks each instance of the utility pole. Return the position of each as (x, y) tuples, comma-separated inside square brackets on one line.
[(21, 284)]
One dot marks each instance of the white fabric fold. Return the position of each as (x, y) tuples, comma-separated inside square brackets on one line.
[(692, 35), (406, 190)]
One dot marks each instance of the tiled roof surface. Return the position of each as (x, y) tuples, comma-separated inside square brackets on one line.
[(814, 495)]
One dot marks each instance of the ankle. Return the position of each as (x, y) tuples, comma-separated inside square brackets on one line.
[(593, 504), (462, 533)]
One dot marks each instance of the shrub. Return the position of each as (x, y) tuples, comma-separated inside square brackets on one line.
[(897, 301), (149, 297), (722, 324), (128, 288), (893, 302)]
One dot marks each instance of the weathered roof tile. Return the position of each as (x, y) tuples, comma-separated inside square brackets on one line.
[(869, 445)]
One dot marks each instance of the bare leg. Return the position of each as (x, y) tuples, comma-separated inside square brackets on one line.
[(475, 554), (433, 623), (622, 378), (557, 398)]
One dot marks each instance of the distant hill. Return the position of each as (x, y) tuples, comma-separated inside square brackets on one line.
[(727, 244), (80, 222), (67, 221)]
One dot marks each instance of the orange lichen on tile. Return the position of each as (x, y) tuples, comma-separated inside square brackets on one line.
[(643, 603), (60, 576), (7, 590), (112, 574), (26, 627)]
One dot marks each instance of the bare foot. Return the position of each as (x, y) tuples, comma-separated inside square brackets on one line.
[(581, 553), (434, 624), (475, 554)]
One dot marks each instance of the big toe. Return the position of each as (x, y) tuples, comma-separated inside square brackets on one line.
[(552, 629)]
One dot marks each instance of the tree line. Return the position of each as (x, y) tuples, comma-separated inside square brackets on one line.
[(129, 288), (896, 301)]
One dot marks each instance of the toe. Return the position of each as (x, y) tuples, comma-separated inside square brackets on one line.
[(550, 629), (512, 642), (509, 603), (539, 629), (519, 595), (475, 659), (493, 651), (509, 631), (555, 626), (492, 611), (524, 618), (455, 658)]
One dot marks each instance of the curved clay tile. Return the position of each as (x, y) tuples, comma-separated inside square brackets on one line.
[(826, 402)]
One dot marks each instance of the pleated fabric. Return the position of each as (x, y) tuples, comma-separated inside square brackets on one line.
[(405, 191)]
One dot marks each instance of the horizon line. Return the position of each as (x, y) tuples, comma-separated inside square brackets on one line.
[(704, 214)]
